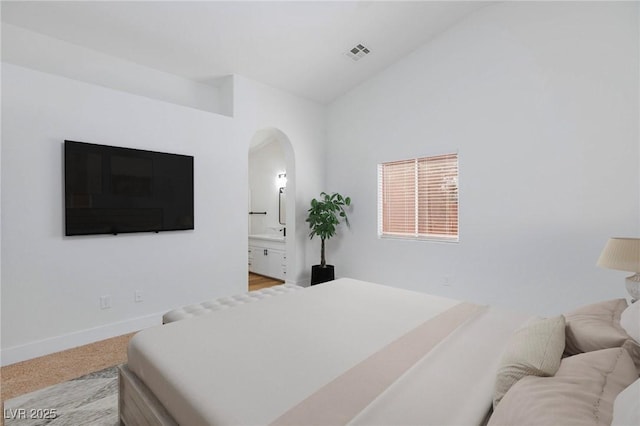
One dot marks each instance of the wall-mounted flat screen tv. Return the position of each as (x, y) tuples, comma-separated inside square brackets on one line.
[(113, 190)]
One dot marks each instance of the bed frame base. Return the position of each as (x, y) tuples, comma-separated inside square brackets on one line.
[(137, 405)]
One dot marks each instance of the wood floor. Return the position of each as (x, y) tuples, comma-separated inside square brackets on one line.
[(256, 282), (28, 376)]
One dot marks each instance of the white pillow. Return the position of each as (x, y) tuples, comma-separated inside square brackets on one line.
[(626, 408), (533, 350), (630, 320)]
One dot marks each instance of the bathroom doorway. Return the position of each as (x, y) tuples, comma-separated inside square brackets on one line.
[(271, 201)]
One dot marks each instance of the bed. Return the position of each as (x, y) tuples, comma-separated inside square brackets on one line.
[(344, 352)]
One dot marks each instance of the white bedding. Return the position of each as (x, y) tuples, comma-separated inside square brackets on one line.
[(250, 364)]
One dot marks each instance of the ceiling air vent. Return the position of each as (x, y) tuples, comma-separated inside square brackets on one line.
[(358, 52)]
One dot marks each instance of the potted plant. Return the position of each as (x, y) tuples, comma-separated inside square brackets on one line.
[(324, 216)]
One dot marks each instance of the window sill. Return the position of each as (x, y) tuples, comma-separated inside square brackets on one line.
[(431, 238)]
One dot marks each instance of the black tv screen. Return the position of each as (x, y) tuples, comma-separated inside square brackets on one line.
[(113, 190)]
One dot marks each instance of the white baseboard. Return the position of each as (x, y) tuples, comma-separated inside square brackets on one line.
[(79, 338), (303, 283)]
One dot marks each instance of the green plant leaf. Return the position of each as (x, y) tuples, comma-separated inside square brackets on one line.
[(325, 214)]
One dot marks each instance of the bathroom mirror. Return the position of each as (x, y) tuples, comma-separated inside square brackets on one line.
[(282, 206)]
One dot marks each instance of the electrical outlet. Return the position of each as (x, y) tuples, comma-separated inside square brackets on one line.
[(137, 296), (446, 280), (105, 302)]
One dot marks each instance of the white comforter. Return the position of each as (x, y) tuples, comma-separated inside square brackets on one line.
[(250, 364)]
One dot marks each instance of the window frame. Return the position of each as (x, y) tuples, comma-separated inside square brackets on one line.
[(417, 235)]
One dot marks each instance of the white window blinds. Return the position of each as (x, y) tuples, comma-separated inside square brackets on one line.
[(418, 198)]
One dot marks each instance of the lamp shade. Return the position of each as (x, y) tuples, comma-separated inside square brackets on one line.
[(622, 254)]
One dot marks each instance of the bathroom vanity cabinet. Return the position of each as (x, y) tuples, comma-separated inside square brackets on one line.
[(267, 256)]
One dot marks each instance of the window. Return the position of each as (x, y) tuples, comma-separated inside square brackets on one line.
[(418, 198)]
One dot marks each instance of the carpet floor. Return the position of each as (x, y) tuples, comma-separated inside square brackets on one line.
[(38, 373)]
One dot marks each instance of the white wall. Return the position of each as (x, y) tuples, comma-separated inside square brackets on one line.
[(265, 163), (540, 99), (36, 51), (51, 284), (257, 107)]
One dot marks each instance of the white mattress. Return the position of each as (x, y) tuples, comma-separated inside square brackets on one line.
[(250, 364)]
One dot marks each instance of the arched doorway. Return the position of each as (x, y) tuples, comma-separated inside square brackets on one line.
[(272, 201)]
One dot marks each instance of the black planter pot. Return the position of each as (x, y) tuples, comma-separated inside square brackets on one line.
[(321, 274)]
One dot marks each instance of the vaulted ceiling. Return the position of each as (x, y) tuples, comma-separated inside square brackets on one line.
[(301, 47)]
